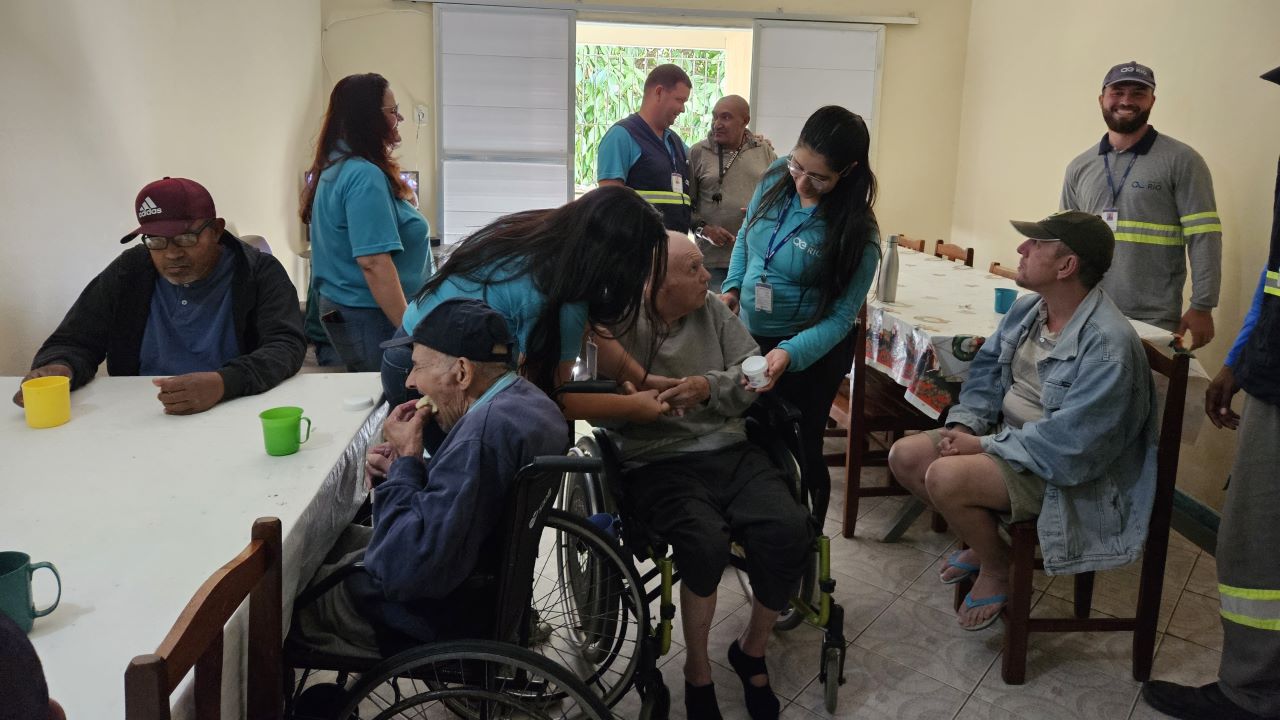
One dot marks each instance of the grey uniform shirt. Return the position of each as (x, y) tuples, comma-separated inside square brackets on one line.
[(1167, 214), (742, 172)]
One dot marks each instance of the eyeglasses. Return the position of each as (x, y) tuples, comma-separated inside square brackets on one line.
[(818, 182), (184, 240), (393, 109)]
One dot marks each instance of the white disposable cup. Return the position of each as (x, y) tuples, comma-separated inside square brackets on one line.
[(754, 368)]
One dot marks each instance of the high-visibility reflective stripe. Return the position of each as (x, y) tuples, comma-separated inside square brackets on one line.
[(1185, 219), (1251, 607), (1271, 285), (1171, 229), (1198, 229), (1149, 239), (665, 197), (1198, 216)]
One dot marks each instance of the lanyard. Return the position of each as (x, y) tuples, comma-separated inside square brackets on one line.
[(773, 247), (720, 152), (1115, 194)]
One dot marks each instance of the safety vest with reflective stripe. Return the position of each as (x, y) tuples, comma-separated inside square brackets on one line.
[(1257, 371), (1252, 607), (651, 175)]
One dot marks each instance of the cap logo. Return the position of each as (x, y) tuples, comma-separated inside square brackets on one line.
[(148, 207)]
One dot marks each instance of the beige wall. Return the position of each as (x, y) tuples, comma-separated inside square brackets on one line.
[(1033, 74), (101, 98), (920, 101)]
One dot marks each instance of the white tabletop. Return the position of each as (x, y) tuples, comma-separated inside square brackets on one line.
[(137, 508)]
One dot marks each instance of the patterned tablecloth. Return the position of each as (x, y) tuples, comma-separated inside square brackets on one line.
[(943, 312)]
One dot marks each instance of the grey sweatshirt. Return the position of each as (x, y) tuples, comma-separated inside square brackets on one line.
[(1167, 215), (712, 342)]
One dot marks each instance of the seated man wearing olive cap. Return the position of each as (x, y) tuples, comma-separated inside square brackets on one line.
[(192, 302), (432, 518), (1057, 419)]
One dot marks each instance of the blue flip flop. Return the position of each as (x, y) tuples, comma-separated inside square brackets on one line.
[(970, 603), (969, 570)]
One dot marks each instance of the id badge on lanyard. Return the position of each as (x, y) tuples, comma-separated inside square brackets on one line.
[(764, 296), (677, 183), (1111, 217)]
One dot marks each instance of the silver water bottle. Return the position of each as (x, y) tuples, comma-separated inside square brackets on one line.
[(887, 290)]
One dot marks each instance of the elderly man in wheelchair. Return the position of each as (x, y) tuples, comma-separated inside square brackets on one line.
[(692, 478), (435, 526)]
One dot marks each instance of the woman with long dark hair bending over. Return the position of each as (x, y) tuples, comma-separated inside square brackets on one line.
[(801, 267), (551, 273), (369, 243)]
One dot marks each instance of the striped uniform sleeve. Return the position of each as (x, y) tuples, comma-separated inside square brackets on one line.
[(1201, 229)]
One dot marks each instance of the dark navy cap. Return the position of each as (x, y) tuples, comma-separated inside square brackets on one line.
[(463, 327)]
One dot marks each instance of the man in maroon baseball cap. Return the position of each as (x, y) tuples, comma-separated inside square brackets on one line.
[(214, 316)]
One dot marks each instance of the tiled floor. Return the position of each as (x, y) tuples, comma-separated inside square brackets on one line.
[(907, 658)]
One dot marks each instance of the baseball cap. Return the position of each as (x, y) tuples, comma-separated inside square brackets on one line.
[(167, 207), (1131, 71), (1273, 75), (463, 327), (1085, 233)]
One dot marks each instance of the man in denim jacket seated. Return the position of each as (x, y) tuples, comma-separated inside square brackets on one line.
[(1057, 419)]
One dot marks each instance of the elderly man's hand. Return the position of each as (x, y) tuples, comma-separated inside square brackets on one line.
[(189, 394), (1217, 399), (958, 442), (731, 299), (42, 371), (661, 383), (718, 236), (689, 393), (376, 464), (642, 406), (403, 428)]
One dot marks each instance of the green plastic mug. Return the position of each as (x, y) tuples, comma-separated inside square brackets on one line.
[(16, 570), (282, 430)]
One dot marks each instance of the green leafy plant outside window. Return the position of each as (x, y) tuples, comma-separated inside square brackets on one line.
[(609, 85)]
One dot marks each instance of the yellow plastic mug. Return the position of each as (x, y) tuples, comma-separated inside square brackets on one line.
[(47, 400)]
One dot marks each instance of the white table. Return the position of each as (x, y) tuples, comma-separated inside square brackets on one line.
[(137, 508)]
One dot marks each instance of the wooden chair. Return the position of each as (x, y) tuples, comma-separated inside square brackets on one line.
[(912, 244), (870, 403), (196, 639), (1017, 613), (1004, 272), (954, 253)]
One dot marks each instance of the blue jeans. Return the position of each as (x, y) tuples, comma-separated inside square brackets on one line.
[(355, 333), (396, 364)]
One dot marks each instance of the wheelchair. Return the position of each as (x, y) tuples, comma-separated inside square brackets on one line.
[(609, 594), (497, 675)]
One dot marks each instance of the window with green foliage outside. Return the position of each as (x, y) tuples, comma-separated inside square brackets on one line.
[(610, 86)]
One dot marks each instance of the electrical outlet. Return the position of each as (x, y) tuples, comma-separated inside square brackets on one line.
[(420, 114)]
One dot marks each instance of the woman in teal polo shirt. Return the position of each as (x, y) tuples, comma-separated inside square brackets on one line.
[(369, 247), (552, 273), (801, 267)]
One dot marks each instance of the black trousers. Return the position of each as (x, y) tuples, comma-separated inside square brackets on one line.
[(811, 390)]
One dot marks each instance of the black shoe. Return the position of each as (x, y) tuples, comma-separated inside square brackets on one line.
[(1193, 703), (762, 704), (700, 702)]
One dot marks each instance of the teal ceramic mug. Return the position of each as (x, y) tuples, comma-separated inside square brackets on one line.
[(16, 570)]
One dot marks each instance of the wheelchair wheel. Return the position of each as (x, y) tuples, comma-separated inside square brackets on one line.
[(832, 665), (471, 679), (589, 605)]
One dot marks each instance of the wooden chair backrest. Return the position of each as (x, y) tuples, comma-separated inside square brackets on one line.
[(955, 253), (1004, 272), (196, 639), (911, 243)]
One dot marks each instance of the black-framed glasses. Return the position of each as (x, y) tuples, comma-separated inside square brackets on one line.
[(183, 240), (818, 182)]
